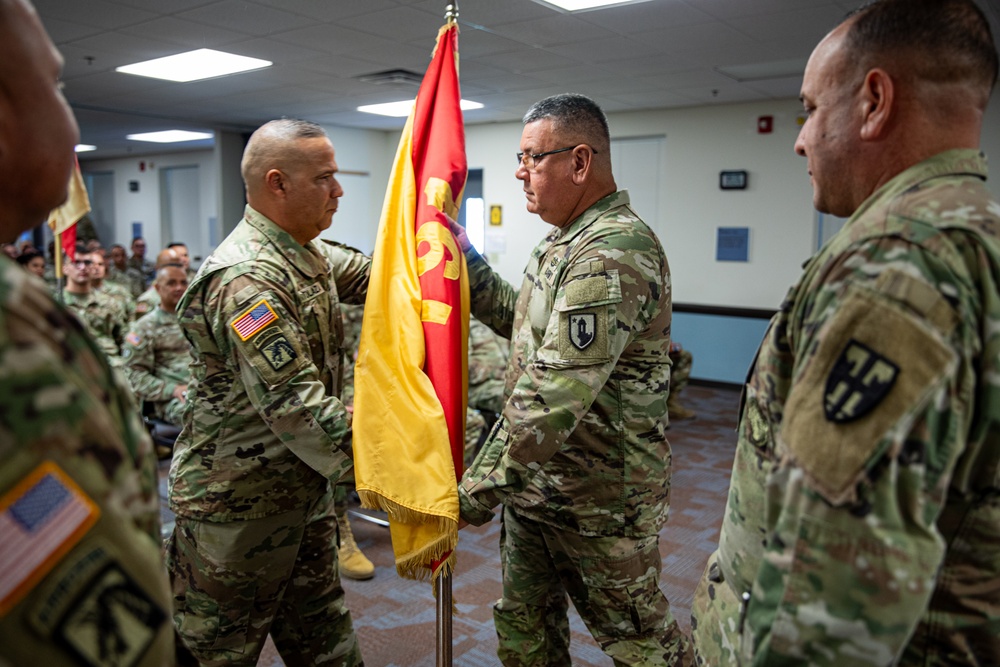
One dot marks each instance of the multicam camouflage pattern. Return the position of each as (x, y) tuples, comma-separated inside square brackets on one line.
[(581, 442), (262, 564), (614, 584), (62, 403), (147, 302), (103, 318), (121, 296), (487, 362), (862, 521), (157, 358), (130, 278), (580, 451), (264, 432), (352, 316), (681, 361)]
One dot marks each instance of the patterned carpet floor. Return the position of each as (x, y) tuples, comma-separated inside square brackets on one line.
[(395, 618)]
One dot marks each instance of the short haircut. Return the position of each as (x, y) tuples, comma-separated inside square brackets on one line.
[(176, 244), (162, 270), (268, 146), (25, 257), (576, 116), (941, 40)]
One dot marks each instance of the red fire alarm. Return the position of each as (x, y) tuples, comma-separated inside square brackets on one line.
[(765, 124)]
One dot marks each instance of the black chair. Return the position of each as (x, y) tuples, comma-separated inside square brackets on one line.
[(163, 433)]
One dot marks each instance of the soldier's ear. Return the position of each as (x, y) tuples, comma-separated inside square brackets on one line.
[(275, 182)]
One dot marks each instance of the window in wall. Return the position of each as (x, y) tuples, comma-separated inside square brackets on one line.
[(472, 215)]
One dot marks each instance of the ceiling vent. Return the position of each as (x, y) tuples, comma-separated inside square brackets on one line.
[(403, 76)]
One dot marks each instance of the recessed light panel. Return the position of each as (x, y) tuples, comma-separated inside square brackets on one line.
[(402, 108), (194, 65), (580, 5), (83, 148), (170, 136)]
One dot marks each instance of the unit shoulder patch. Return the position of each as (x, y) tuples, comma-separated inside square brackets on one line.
[(278, 351), (858, 381)]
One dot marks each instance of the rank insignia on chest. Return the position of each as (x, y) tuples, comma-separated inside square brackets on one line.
[(253, 320), (858, 382), (278, 352), (582, 329)]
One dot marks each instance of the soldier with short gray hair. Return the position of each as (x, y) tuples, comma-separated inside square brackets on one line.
[(863, 517), (579, 458)]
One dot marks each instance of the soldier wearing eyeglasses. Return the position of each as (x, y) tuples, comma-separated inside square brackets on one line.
[(579, 458)]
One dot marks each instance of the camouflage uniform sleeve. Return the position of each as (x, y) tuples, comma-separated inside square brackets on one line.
[(276, 365), (492, 299), (876, 419), (612, 279), (139, 357), (350, 270)]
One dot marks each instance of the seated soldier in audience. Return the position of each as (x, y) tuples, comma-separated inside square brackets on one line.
[(139, 262), (33, 261), (353, 562), (182, 252), (118, 293), (487, 361), (680, 371), (120, 272), (150, 299), (157, 356), (99, 314)]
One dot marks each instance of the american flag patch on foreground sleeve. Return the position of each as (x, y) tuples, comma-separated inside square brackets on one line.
[(41, 519), (255, 319)]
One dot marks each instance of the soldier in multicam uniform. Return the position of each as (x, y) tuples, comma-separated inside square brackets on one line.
[(103, 317), (118, 294), (487, 361), (863, 521), (120, 272), (157, 357), (579, 458), (82, 581), (353, 562), (681, 361), (265, 436)]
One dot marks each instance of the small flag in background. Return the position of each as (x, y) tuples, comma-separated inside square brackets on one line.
[(63, 220), (411, 375)]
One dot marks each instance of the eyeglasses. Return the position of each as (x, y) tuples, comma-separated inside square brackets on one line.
[(84, 262), (530, 160)]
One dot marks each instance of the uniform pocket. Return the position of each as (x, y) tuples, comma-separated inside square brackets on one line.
[(626, 592)]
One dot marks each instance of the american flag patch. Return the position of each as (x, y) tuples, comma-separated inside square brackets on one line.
[(133, 338), (255, 319), (41, 519)]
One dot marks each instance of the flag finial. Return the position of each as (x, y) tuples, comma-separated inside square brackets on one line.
[(451, 12)]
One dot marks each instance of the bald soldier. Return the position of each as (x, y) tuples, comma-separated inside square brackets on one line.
[(82, 580), (150, 299), (863, 517), (254, 549)]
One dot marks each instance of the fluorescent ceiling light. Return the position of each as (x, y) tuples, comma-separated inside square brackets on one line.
[(83, 148), (169, 136), (580, 5), (402, 108), (194, 65), (777, 69)]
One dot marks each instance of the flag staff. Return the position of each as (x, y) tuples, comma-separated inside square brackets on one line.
[(443, 581)]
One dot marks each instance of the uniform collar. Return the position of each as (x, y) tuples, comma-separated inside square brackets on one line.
[(596, 210), (306, 258)]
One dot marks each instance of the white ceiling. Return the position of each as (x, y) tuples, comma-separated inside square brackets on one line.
[(644, 55)]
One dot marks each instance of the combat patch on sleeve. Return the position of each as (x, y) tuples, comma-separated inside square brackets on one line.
[(254, 320), (41, 519), (873, 364), (113, 622), (277, 350)]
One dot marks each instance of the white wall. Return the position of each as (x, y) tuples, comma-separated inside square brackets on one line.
[(144, 206)]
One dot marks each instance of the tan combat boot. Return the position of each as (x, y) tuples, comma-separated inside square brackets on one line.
[(353, 563)]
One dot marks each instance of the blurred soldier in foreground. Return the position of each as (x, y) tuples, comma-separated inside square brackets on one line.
[(580, 459), (82, 580), (863, 521), (265, 438)]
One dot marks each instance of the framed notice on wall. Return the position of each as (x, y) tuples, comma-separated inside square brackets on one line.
[(732, 244)]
